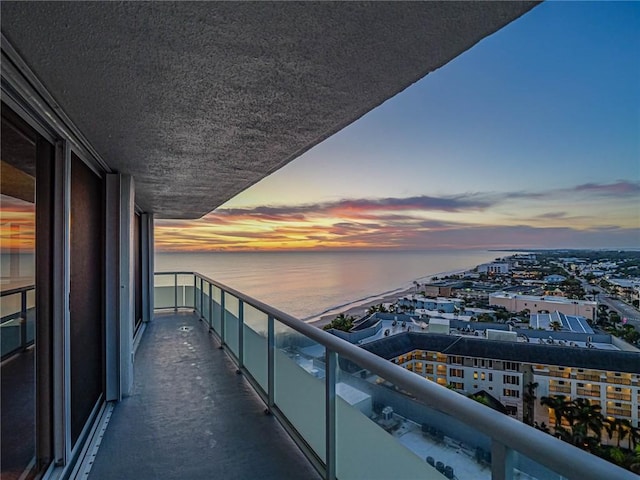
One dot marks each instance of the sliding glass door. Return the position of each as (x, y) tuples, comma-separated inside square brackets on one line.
[(25, 424)]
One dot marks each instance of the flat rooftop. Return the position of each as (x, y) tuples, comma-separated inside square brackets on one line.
[(569, 323), (544, 298)]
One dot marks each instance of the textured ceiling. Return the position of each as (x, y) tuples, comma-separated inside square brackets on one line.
[(200, 100)]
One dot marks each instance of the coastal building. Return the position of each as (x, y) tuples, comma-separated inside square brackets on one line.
[(554, 278), (494, 268), (444, 305), (469, 365), (439, 289), (114, 114), (543, 304)]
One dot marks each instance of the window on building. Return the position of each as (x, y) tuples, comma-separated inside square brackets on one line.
[(511, 379), (456, 372), (512, 410), (512, 366), (511, 393)]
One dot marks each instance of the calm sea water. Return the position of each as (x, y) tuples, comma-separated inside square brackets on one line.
[(308, 284)]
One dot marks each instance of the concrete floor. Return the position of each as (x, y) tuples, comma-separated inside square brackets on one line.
[(191, 416)]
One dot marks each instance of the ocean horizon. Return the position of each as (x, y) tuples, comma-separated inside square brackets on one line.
[(308, 284)]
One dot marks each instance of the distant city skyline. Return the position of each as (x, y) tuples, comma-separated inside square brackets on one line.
[(529, 139)]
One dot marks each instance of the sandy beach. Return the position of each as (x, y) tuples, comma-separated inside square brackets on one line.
[(359, 309)]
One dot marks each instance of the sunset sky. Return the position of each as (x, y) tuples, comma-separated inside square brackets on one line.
[(529, 139)]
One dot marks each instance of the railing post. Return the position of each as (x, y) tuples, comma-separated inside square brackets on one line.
[(23, 319), (175, 292), (331, 363), (240, 335), (501, 461), (195, 292), (210, 319), (201, 299), (222, 315), (271, 352)]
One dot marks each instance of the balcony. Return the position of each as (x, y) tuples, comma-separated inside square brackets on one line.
[(352, 414), (560, 388), (191, 416), (586, 392), (619, 396)]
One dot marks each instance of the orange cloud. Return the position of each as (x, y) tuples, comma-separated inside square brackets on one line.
[(481, 220), (17, 225)]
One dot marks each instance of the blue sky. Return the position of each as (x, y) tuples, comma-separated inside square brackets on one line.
[(534, 132)]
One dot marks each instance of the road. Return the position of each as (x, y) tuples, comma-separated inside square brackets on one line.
[(624, 310)]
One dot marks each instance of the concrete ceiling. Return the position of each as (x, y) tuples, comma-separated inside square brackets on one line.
[(198, 101)]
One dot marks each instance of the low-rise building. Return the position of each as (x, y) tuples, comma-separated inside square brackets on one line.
[(440, 289), (494, 268), (554, 278), (542, 304), (626, 288), (445, 305)]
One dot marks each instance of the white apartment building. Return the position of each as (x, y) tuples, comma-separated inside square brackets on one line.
[(610, 378), (494, 268)]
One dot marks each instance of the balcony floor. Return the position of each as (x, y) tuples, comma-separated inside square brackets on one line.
[(191, 416)]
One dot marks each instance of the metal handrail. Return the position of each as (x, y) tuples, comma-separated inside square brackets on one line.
[(557, 455), (16, 290)]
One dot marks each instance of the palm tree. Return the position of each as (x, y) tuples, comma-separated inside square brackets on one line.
[(555, 326), (588, 418), (620, 426), (377, 308), (341, 322), (529, 399), (634, 438), (559, 405), (542, 427)]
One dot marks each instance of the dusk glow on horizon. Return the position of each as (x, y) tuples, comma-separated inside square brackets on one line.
[(531, 139)]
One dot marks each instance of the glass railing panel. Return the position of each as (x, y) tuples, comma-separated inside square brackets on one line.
[(216, 321), (164, 292), (524, 467), (255, 344), (231, 316), (411, 440), (10, 336), (299, 388), (186, 291), (10, 306)]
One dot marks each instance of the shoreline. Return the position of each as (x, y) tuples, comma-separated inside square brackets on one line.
[(358, 308)]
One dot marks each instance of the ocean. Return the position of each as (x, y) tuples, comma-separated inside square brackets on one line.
[(310, 284)]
